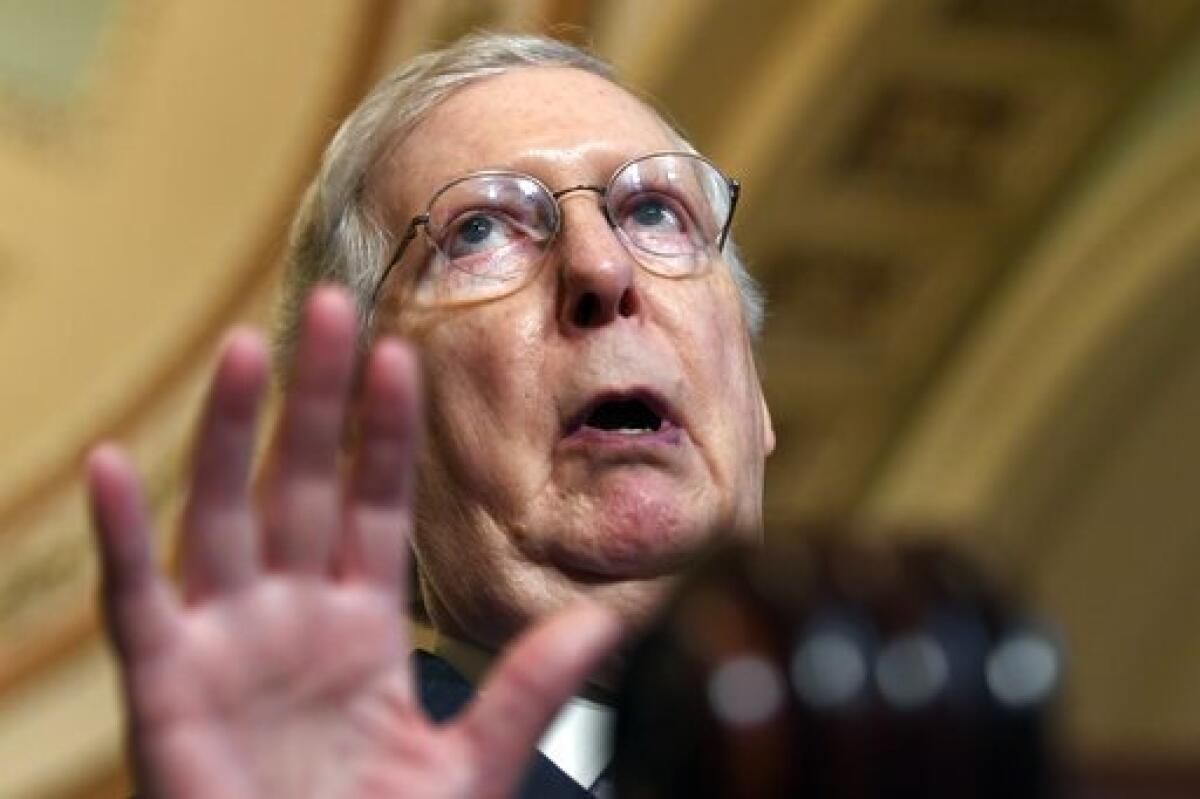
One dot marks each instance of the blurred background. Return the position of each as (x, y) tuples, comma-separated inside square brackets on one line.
[(978, 223)]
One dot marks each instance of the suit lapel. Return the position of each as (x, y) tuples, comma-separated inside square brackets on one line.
[(444, 692)]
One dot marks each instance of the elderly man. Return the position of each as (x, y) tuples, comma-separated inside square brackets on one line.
[(584, 414)]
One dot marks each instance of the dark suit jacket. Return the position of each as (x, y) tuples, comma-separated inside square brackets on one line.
[(444, 692)]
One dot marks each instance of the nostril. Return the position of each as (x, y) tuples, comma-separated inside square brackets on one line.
[(586, 310), (628, 304)]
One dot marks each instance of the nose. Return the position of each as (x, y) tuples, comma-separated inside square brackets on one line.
[(598, 275)]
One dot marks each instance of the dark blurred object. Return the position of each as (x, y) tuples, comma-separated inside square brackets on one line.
[(839, 669)]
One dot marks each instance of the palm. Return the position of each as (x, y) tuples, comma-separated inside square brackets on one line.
[(283, 672), (310, 660)]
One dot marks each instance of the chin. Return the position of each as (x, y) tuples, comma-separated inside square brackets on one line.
[(627, 527), (637, 602)]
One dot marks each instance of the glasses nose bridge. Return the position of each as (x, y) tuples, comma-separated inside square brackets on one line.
[(601, 193), (593, 241)]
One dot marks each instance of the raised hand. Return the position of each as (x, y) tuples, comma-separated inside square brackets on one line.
[(282, 669)]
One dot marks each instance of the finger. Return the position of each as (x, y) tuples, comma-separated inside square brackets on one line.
[(379, 510), (139, 608), (302, 508), (220, 550), (529, 686)]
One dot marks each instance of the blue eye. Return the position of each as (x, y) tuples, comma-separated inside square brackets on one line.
[(659, 224), (649, 214), (477, 233), (475, 230), (489, 242), (653, 214)]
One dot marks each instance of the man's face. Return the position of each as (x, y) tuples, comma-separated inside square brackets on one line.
[(526, 502)]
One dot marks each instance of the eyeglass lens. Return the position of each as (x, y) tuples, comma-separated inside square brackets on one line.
[(490, 231)]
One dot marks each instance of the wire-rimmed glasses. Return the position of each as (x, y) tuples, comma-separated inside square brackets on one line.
[(489, 232)]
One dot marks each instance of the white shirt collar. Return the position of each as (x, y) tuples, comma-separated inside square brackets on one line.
[(578, 740)]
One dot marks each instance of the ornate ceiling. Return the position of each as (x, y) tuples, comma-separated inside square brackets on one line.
[(976, 221)]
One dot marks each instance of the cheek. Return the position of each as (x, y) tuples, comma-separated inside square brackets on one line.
[(480, 363), (721, 363), (485, 387), (721, 344)]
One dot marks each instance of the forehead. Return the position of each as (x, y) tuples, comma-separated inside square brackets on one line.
[(559, 124)]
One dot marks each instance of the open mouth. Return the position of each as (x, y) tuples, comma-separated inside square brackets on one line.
[(635, 414), (630, 416)]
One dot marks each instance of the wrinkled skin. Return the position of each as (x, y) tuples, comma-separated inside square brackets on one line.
[(283, 670), (517, 518)]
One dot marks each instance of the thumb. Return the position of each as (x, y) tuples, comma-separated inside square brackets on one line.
[(531, 682)]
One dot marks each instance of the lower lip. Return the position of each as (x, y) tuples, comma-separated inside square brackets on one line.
[(667, 435)]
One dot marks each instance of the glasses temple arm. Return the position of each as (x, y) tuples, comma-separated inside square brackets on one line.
[(409, 234), (735, 189)]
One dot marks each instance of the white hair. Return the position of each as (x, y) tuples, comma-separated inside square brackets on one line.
[(337, 235)]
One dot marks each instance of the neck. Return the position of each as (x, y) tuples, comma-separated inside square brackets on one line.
[(474, 662)]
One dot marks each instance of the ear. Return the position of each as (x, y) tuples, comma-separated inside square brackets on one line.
[(768, 431)]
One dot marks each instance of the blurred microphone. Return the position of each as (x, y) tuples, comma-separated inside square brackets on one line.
[(832, 669)]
